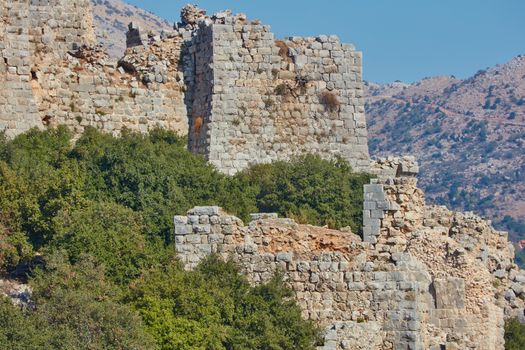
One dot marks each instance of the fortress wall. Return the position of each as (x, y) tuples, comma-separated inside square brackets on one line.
[(275, 99), (429, 279), (92, 90), (200, 80), (18, 110), (51, 78), (341, 287), (60, 25)]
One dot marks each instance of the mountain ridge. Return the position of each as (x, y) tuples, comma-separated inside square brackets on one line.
[(467, 134)]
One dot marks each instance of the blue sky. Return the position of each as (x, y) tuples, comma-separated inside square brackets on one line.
[(400, 39)]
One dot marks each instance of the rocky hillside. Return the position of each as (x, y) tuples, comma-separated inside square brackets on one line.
[(112, 17), (469, 136)]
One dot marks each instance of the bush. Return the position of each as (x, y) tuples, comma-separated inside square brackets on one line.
[(514, 335), (330, 101), (214, 307), (111, 233), (74, 308), (310, 189)]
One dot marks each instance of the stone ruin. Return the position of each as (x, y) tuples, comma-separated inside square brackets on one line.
[(420, 277), (240, 95), (53, 73)]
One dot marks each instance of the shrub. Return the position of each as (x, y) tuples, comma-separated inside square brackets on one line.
[(310, 189), (514, 335), (330, 101), (111, 233), (74, 308), (214, 307), (14, 249)]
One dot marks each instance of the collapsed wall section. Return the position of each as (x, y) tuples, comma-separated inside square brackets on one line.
[(272, 99), (338, 283), (142, 91), (422, 277), (54, 74)]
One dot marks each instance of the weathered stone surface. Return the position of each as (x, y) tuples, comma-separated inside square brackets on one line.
[(63, 78), (450, 293), (422, 277), (414, 286)]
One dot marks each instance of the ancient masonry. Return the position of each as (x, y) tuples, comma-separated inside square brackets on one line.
[(255, 98), (421, 277), (52, 73), (247, 97)]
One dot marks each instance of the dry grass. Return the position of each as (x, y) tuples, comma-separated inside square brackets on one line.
[(330, 101), (283, 50), (197, 125)]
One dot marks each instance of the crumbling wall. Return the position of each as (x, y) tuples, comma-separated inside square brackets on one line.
[(272, 99), (422, 277), (241, 95), (54, 74), (140, 92), (339, 282)]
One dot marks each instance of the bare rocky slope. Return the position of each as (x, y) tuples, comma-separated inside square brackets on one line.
[(467, 134)]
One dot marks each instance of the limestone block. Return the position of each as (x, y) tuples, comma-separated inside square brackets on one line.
[(449, 293)]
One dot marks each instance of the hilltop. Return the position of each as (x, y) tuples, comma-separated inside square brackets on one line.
[(156, 179)]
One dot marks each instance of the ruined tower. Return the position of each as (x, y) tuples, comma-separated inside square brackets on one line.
[(254, 99)]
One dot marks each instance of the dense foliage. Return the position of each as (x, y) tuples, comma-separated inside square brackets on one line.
[(92, 219), (514, 335), (214, 307)]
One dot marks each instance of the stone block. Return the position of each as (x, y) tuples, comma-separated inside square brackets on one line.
[(449, 293), (193, 239), (182, 229), (286, 257), (211, 210), (201, 228)]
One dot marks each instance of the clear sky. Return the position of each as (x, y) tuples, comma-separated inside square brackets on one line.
[(401, 39)]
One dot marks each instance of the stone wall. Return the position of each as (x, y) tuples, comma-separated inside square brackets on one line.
[(242, 96), (140, 92), (54, 74), (423, 277), (18, 110), (255, 99)]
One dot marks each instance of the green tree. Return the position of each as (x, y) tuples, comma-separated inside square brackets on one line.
[(82, 309), (113, 234), (214, 307), (311, 190)]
